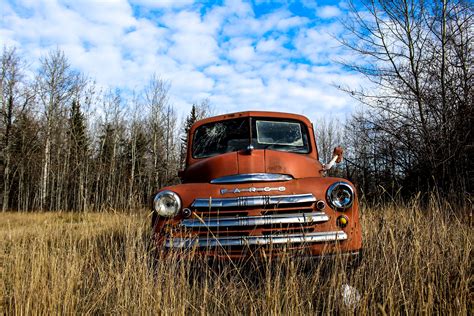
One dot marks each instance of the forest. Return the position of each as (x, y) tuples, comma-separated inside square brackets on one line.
[(70, 144)]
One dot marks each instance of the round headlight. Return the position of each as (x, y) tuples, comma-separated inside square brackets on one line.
[(167, 203), (340, 195)]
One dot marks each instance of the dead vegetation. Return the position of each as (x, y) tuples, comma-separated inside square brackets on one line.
[(415, 261)]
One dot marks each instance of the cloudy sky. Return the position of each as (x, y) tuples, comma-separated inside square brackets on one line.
[(240, 55)]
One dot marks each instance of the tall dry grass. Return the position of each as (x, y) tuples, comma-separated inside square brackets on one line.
[(415, 261)]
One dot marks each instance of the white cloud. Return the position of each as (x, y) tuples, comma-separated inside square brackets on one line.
[(270, 45), (291, 22), (249, 25), (193, 40), (224, 52), (220, 70), (162, 4), (117, 12), (193, 49), (145, 39), (311, 4), (319, 44), (328, 11), (242, 53), (273, 48), (239, 8)]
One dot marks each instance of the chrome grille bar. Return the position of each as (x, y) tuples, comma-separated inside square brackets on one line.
[(255, 240), (232, 221), (250, 201), (252, 177)]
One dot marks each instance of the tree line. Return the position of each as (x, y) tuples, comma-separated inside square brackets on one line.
[(69, 144), (414, 132)]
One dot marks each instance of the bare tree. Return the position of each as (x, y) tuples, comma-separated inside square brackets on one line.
[(156, 100), (56, 83), (136, 149), (329, 134), (418, 56)]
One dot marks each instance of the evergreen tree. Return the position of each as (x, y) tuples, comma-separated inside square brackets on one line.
[(77, 131), (78, 157), (190, 120), (26, 146)]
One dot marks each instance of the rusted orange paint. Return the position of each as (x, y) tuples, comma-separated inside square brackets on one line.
[(308, 178)]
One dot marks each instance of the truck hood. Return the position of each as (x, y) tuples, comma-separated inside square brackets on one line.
[(256, 161)]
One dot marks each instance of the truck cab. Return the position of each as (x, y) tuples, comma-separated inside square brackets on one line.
[(253, 184)]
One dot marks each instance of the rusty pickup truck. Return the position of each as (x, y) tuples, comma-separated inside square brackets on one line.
[(253, 184)]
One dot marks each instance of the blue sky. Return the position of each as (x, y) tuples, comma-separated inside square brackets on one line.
[(240, 55)]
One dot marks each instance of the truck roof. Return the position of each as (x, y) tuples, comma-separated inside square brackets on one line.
[(229, 116)]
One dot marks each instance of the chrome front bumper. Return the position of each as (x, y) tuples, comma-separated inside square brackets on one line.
[(211, 241)]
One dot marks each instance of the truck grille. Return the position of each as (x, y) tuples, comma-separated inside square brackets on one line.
[(253, 221), (264, 220), (252, 201)]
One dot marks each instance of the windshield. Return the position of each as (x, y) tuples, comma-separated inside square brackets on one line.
[(234, 135), (279, 133), (221, 137), (282, 135)]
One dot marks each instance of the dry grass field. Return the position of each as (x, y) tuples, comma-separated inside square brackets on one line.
[(415, 262)]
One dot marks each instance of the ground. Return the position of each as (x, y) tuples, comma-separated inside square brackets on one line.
[(415, 261)]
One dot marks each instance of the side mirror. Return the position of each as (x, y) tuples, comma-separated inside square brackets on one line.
[(338, 151), (337, 156)]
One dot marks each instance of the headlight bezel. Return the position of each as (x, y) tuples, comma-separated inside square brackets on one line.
[(159, 198), (338, 186)]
